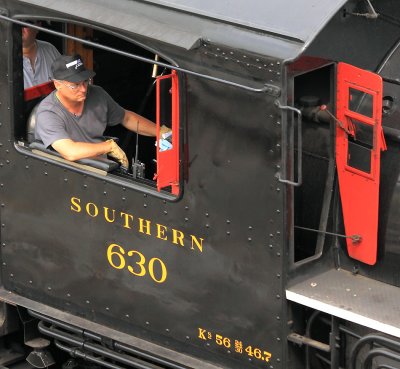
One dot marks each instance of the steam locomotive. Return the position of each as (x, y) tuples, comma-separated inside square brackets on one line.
[(266, 235)]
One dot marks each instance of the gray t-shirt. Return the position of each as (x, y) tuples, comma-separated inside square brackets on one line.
[(45, 55), (54, 122)]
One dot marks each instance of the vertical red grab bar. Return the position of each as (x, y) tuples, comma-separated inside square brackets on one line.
[(168, 160)]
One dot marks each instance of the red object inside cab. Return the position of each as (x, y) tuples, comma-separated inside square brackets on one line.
[(38, 91), (359, 142)]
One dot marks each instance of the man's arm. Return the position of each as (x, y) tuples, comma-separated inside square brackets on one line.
[(135, 122), (72, 150)]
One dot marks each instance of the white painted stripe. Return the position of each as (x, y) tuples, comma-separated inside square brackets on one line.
[(343, 313)]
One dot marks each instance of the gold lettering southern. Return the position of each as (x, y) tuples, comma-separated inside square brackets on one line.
[(140, 225)]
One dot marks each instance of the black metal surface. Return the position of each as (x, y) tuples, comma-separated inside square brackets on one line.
[(244, 27), (219, 302), (80, 337), (231, 288), (272, 17)]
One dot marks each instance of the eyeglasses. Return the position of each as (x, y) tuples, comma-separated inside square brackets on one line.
[(74, 86)]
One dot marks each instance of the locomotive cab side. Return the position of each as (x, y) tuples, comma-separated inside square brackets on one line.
[(264, 236)]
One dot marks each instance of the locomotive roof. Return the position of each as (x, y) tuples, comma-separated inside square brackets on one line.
[(289, 25)]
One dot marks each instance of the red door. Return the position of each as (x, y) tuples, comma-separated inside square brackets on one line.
[(359, 141)]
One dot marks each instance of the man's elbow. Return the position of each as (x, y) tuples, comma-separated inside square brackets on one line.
[(66, 149)]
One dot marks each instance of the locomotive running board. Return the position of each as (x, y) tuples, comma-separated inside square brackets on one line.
[(351, 297)]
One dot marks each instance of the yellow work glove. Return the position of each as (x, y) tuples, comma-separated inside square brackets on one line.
[(117, 153), (164, 129)]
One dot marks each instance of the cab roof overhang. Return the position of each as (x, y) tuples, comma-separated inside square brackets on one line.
[(278, 28)]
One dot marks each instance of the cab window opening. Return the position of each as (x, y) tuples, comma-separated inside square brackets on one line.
[(132, 84)]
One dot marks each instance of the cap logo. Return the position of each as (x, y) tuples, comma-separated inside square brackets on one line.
[(76, 63)]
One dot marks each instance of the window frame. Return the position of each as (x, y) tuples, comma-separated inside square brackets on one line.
[(143, 185)]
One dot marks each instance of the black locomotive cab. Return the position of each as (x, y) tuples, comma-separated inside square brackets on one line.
[(261, 232)]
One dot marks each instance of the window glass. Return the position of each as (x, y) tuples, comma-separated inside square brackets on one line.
[(360, 146), (360, 102)]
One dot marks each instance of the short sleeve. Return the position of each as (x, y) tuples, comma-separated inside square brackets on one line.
[(115, 113), (50, 128)]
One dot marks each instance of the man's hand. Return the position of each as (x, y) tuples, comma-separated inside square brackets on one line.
[(164, 129), (117, 153)]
